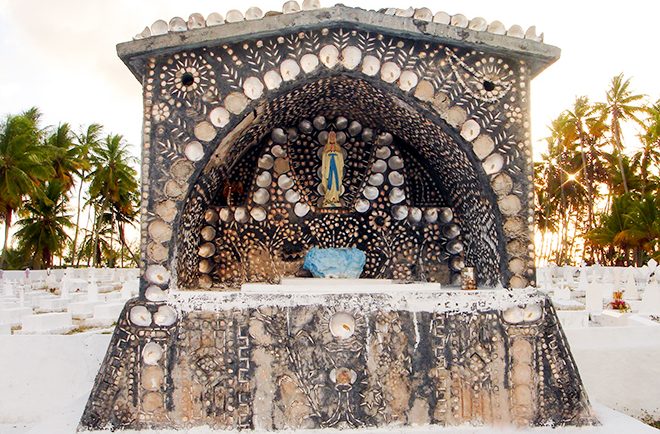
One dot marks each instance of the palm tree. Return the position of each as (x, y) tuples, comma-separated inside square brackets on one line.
[(86, 140), (24, 164), (648, 156), (66, 156), (621, 106), (643, 226), (42, 232), (113, 184)]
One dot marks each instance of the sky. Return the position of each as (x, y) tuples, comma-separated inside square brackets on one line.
[(60, 55)]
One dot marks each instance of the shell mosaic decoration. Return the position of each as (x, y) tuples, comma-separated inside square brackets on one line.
[(427, 116)]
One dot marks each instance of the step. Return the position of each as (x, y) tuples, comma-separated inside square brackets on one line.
[(47, 323), (14, 315)]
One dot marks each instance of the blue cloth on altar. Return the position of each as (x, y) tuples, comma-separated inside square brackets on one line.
[(345, 263)]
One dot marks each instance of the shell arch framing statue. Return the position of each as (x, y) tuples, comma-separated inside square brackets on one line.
[(332, 169)]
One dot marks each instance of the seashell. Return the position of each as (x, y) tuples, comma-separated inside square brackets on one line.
[(236, 102), (516, 265), (470, 130), (159, 27), (219, 117), (145, 33), (254, 13), (395, 178), (204, 131), (451, 231), (510, 205), (279, 136), (151, 378), (415, 215), (405, 13), (309, 62), (194, 151), (140, 316), (341, 123), (390, 11), (292, 196), (265, 162), (205, 266), (431, 215), (323, 139), (383, 152), (379, 166), (341, 137), (289, 69), (376, 179), (273, 79), (152, 401), (517, 282), (408, 80), (370, 192), (516, 31), (320, 123), (261, 196), (478, 24), (395, 162), (351, 57), (152, 353), (157, 274), (165, 316), (390, 72), (258, 213), (423, 14), (178, 24), (329, 56), (290, 7), (234, 16), (455, 116), (305, 126), (496, 28), (208, 233), (425, 91), (308, 5), (457, 263), (385, 139), (362, 205), (493, 164), (442, 18), (354, 128), (196, 21), (397, 195), (206, 250), (285, 182), (226, 215), (367, 134), (155, 293), (532, 312), (264, 179), (399, 212), (241, 215), (214, 19), (370, 65), (513, 315), (446, 214), (483, 146), (278, 151), (342, 325), (459, 20), (160, 231), (301, 209), (253, 88), (455, 247), (502, 184), (529, 34), (211, 216)]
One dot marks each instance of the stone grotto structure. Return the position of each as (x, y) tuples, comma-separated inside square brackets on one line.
[(428, 171)]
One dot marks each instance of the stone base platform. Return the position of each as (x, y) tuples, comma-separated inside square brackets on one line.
[(278, 360)]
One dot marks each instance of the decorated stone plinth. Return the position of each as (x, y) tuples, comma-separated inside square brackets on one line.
[(272, 361), (399, 134)]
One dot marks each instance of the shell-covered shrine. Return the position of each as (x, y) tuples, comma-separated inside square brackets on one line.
[(399, 137)]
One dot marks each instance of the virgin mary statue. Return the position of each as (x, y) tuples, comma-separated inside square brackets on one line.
[(333, 171)]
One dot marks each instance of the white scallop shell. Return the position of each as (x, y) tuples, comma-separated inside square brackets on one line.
[(415, 215), (254, 13), (455, 247), (441, 17), (451, 231), (155, 293), (289, 69), (285, 182), (261, 196), (157, 274), (329, 56), (234, 16), (370, 65), (308, 5), (309, 62), (206, 250), (253, 87), (241, 215), (226, 214), (379, 166), (362, 205), (370, 192), (258, 213), (399, 212), (470, 130), (513, 315), (214, 19), (140, 316), (208, 233), (279, 136), (290, 7), (459, 20), (264, 179), (165, 316), (152, 353), (408, 80), (446, 214), (431, 215), (342, 325), (196, 21), (351, 57), (301, 209), (159, 27), (395, 178), (376, 179), (383, 152), (292, 196), (532, 312), (395, 162), (219, 117), (265, 162), (397, 195), (178, 24), (194, 151), (493, 164), (273, 79), (204, 131), (496, 28), (278, 151), (390, 72)]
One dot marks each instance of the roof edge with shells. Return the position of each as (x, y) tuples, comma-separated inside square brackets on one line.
[(420, 24)]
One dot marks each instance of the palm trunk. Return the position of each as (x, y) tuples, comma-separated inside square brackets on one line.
[(74, 246), (8, 214), (616, 130)]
